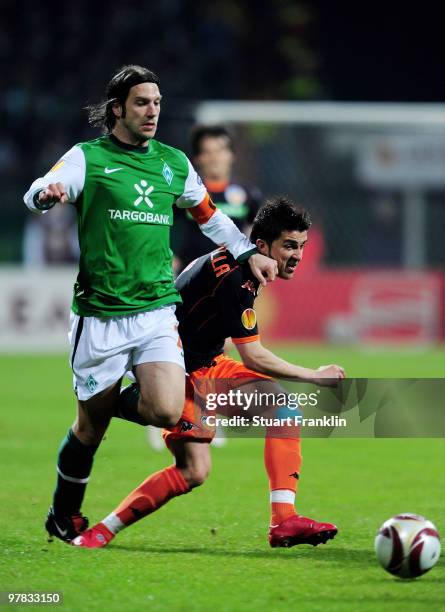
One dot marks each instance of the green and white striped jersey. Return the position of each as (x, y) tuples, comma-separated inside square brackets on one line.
[(124, 197)]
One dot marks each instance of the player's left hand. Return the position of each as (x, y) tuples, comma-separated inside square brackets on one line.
[(263, 268), (328, 375)]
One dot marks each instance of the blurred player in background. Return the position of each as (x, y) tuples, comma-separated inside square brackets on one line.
[(123, 186), (213, 154), (51, 239), (218, 298)]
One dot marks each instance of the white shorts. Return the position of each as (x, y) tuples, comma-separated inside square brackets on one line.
[(103, 349)]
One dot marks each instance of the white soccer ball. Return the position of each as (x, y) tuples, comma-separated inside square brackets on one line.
[(407, 545)]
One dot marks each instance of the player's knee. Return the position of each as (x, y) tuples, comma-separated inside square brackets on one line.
[(167, 416), (196, 475), (161, 414)]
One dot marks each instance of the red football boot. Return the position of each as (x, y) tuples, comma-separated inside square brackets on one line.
[(300, 530), (96, 537)]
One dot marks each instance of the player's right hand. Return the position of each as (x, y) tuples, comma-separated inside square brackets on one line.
[(55, 192), (329, 375), (263, 268)]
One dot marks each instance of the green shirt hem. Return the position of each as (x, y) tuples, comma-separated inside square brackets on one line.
[(91, 311)]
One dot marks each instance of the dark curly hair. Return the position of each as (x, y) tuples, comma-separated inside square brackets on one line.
[(101, 114), (277, 215)]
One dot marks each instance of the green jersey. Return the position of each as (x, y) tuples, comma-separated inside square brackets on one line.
[(124, 197)]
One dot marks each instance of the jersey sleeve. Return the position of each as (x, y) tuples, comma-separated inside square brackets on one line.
[(212, 222), (237, 308), (223, 232), (194, 189), (69, 170)]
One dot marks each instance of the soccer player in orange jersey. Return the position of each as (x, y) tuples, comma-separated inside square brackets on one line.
[(218, 302)]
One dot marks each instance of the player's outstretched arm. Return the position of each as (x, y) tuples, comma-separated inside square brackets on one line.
[(256, 357), (221, 229), (63, 183)]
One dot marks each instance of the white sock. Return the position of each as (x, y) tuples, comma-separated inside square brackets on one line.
[(113, 523), (282, 496)]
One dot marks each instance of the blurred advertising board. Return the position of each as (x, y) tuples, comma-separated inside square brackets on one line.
[(34, 308), (341, 305), (347, 306)]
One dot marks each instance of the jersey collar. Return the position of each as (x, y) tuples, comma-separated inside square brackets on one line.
[(127, 147)]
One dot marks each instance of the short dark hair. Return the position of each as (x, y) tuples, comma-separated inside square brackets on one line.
[(277, 215), (101, 114), (199, 132)]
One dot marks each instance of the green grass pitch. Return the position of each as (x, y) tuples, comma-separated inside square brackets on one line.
[(208, 550)]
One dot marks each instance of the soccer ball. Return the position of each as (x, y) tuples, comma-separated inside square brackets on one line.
[(407, 545)]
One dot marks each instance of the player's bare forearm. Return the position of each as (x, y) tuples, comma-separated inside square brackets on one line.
[(256, 357)]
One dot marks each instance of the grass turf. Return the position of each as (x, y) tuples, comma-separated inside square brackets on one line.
[(208, 550)]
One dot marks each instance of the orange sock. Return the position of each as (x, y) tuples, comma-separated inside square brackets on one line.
[(153, 493), (282, 457)]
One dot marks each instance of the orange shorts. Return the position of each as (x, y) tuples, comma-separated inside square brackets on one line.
[(190, 424)]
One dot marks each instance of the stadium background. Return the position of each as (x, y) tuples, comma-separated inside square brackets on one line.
[(371, 296)]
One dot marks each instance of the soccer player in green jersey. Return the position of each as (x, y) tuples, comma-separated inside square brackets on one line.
[(123, 186)]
